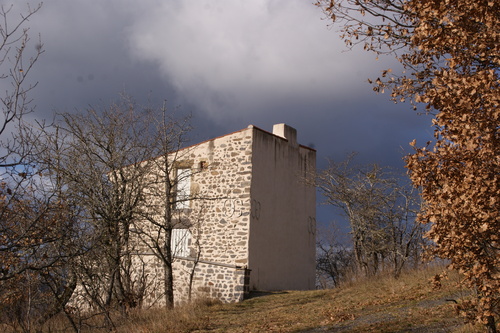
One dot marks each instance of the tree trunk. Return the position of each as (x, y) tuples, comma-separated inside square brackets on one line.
[(490, 325), (169, 286), (167, 265)]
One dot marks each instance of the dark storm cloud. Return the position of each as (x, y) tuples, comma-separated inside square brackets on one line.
[(229, 62), (234, 58), (86, 59)]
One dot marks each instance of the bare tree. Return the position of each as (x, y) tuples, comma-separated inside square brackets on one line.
[(98, 156), (16, 62), (406, 242), (127, 172), (169, 184), (37, 234), (380, 211), (35, 227), (335, 261)]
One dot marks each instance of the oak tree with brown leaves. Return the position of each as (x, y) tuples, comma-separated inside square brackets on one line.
[(450, 54)]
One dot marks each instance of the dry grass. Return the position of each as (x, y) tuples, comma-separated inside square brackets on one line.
[(189, 318), (384, 304)]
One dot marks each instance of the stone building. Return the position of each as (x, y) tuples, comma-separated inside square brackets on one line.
[(250, 217)]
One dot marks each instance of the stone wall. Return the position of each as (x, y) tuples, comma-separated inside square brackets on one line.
[(250, 222), (220, 214), (211, 280), (218, 219)]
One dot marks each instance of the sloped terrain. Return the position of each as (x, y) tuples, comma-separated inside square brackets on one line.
[(381, 304), (409, 304)]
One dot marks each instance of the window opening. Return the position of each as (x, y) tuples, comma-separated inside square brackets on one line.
[(183, 188), (180, 242)]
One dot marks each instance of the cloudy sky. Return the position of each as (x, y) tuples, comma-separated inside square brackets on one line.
[(230, 63)]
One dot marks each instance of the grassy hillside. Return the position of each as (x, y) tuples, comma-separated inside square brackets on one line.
[(408, 304)]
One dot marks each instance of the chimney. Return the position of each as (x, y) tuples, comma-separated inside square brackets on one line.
[(286, 132)]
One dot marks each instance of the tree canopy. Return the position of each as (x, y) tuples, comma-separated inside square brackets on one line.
[(450, 53)]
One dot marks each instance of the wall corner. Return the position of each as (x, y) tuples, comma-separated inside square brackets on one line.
[(286, 132)]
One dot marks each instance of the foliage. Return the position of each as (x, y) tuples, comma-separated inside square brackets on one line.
[(450, 51), (460, 175)]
